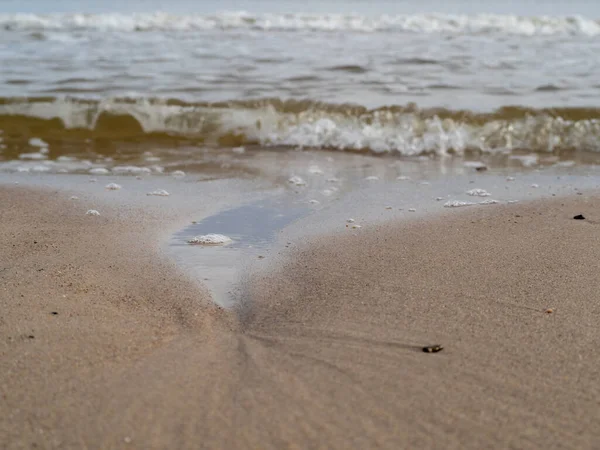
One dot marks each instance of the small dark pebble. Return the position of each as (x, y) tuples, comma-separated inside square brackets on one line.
[(579, 217), (31, 336), (433, 349), (480, 169), (54, 313)]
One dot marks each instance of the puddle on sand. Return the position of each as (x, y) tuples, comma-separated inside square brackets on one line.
[(252, 229)]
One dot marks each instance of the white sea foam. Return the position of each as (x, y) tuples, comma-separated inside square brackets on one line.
[(113, 187), (457, 204), (489, 202), (296, 180), (159, 193), (381, 131), (210, 239), (417, 23), (131, 169), (92, 212), (37, 156), (37, 142), (178, 174), (99, 171), (315, 170), (478, 193)]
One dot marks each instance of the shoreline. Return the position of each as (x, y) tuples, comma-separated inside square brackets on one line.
[(329, 353)]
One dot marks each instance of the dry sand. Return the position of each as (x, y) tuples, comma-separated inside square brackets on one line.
[(326, 352)]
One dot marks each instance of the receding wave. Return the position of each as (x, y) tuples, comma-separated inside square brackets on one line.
[(419, 23), (402, 129)]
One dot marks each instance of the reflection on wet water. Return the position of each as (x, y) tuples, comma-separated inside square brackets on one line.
[(251, 227)]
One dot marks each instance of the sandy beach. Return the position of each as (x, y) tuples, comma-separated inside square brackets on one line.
[(104, 343)]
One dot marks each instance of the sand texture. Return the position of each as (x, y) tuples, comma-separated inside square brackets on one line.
[(326, 351)]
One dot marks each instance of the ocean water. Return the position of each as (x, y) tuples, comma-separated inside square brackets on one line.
[(107, 79)]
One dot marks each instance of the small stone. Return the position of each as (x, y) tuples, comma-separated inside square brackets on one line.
[(579, 217), (481, 168), (549, 311), (31, 336), (388, 207), (433, 349), (54, 313)]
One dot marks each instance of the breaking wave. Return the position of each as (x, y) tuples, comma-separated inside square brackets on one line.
[(403, 129), (417, 23)]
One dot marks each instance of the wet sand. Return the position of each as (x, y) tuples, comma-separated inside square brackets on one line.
[(325, 352)]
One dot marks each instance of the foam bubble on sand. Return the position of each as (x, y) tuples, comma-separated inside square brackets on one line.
[(402, 178), (238, 150), (425, 183), (178, 174), (74, 198), (297, 181), (350, 220), (159, 193), (489, 202), (327, 192), (478, 193), (314, 202), (98, 171), (152, 158), (66, 159), (210, 239), (37, 142), (113, 186), (332, 180), (457, 204), (131, 169), (32, 156), (439, 199), (512, 201), (535, 186), (40, 169), (412, 210), (372, 178), (510, 178), (92, 212), (315, 170)]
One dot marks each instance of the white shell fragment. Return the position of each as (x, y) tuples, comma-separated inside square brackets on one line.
[(113, 187), (478, 193), (210, 239), (159, 193), (92, 212)]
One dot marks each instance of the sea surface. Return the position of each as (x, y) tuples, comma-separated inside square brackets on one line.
[(108, 80)]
